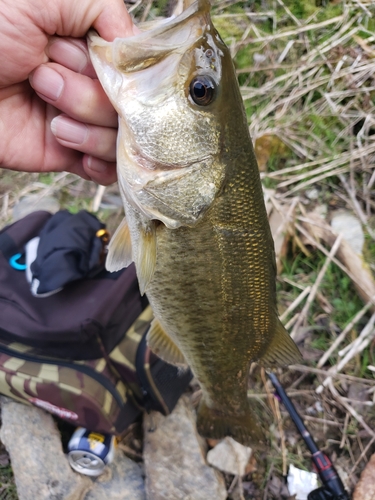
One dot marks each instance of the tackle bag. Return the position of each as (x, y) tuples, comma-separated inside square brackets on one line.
[(72, 335)]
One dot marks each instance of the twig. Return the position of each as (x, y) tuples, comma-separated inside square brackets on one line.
[(293, 283), (351, 410), (290, 14), (265, 494), (314, 289), (267, 385), (362, 455), (343, 439), (146, 11), (336, 261), (98, 198), (357, 346), (343, 334), (233, 483), (318, 178), (265, 395), (282, 437), (297, 31), (321, 421), (366, 332), (365, 9), (310, 369), (291, 322)]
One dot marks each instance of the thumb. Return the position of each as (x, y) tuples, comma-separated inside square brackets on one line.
[(114, 21), (71, 18)]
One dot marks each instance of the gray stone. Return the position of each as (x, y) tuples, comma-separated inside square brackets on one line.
[(174, 458), (121, 480), (347, 224), (40, 467), (229, 456)]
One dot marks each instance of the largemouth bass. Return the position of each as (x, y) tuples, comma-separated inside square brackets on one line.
[(196, 225)]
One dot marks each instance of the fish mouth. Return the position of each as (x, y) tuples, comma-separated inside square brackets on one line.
[(134, 54), (150, 46)]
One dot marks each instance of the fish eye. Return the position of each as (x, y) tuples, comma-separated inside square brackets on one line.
[(202, 90)]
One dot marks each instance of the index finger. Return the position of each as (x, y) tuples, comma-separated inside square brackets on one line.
[(71, 53)]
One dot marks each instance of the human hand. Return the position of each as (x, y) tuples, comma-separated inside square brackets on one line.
[(33, 134)]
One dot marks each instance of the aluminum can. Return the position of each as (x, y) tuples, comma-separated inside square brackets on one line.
[(89, 452)]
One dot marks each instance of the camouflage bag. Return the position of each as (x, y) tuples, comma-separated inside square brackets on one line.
[(79, 350)]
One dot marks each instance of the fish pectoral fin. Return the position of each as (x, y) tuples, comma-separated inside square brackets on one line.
[(281, 351), (162, 345), (215, 424), (119, 249), (146, 255)]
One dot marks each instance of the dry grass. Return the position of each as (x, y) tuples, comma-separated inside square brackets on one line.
[(309, 89)]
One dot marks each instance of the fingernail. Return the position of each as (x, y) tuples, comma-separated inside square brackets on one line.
[(69, 54), (69, 130), (96, 164), (47, 82)]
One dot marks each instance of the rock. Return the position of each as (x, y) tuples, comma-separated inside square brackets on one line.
[(365, 488), (122, 480), (347, 224), (229, 456), (312, 194), (174, 460), (40, 467)]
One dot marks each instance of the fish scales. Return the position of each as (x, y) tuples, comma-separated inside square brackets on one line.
[(219, 300), (196, 225)]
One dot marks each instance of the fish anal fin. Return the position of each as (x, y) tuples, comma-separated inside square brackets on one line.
[(146, 255), (215, 424), (119, 249), (282, 350), (162, 345)]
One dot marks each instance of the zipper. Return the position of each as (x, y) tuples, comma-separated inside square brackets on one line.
[(87, 370)]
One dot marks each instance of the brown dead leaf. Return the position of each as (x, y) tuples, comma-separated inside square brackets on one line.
[(364, 46), (280, 224), (266, 146), (365, 489), (251, 465), (212, 442), (279, 229)]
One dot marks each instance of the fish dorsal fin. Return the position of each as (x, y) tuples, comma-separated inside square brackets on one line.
[(119, 249), (146, 255), (281, 351), (162, 345)]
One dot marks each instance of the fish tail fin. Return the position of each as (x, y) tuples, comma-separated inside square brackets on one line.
[(281, 351), (215, 424)]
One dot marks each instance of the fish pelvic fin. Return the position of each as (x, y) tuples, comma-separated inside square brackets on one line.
[(162, 345), (281, 351), (119, 249), (215, 424), (145, 262)]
